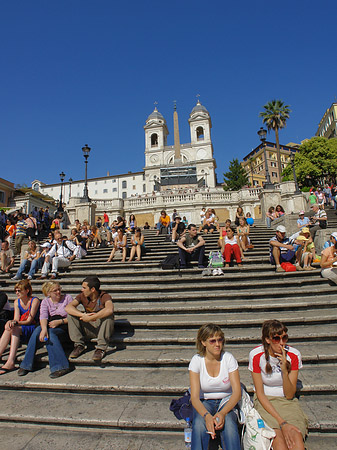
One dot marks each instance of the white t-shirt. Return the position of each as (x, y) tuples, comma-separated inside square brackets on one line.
[(214, 387), (232, 241), (273, 383)]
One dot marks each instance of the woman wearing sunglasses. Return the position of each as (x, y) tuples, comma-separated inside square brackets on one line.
[(274, 366), (26, 309), (215, 390)]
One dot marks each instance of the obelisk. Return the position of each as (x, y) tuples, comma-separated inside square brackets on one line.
[(177, 155)]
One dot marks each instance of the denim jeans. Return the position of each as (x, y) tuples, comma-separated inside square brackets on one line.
[(229, 435), (57, 358), (196, 255), (34, 266)]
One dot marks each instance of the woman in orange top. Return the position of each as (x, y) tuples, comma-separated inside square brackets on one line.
[(164, 222), (10, 228)]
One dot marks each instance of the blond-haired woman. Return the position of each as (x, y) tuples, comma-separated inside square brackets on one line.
[(26, 308), (215, 390), (52, 329)]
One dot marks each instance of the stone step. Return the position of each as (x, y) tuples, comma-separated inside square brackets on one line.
[(326, 316), (37, 437), (147, 354), (252, 335), (150, 380), (114, 411), (207, 286)]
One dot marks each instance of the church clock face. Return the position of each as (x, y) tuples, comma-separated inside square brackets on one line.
[(201, 154), (154, 159)]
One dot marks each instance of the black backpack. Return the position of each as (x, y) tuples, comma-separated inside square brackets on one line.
[(170, 262)]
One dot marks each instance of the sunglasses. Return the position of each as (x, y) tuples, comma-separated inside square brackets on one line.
[(214, 341), (277, 339)]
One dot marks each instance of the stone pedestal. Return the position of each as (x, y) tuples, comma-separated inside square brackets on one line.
[(82, 211)]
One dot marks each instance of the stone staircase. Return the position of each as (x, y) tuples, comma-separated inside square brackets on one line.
[(124, 404)]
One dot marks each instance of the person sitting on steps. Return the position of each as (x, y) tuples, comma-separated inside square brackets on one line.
[(7, 257), (120, 244), (137, 245), (191, 247), (163, 225), (97, 320), (231, 247), (60, 255), (178, 229), (283, 250)]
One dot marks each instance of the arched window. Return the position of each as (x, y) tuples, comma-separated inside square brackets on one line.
[(36, 187), (154, 140), (171, 160), (200, 133)]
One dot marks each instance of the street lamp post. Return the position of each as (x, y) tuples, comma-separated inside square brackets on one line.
[(86, 151), (62, 176), (70, 183), (292, 160), (262, 134)]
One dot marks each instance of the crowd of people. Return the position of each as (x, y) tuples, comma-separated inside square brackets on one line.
[(214, 374), (56, 320)]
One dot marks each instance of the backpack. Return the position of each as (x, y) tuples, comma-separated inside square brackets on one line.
[(215, 259), (288, 267), (170, 262), (255, 437), (182, 407)]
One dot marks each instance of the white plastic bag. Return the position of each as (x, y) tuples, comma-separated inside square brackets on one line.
[(254, 438)]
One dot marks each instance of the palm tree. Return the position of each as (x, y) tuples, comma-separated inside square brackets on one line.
[(275, 116)]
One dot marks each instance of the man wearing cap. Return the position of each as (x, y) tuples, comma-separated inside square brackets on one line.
[(302, 221), (329, 260), (283, 250), (59, 255), (318, 221)]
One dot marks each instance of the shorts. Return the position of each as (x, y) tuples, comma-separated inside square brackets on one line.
[(289, 410)]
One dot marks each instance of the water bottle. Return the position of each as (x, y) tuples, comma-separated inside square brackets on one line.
[(188, 433), (45, 340)]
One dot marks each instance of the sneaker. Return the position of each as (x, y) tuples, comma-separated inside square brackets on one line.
[(53, 276), (29, 277), (59, 373), (220, 272), (215, 272), (15, 278), (78, 350), (98, 355), (280, 269)]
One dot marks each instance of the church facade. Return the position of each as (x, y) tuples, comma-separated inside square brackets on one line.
[(167, 168)]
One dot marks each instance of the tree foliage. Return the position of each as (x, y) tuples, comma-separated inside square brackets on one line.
[(236, 177), (315, 161), (275, 117)]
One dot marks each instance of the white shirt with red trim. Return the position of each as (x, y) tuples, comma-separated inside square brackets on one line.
[(214, 387), (273, 382)]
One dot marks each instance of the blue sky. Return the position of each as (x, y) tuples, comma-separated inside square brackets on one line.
[(87, 72)]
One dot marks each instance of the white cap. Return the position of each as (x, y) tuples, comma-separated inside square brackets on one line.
[(281, 229), (334, 234), (300, 213), (46, 245)]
